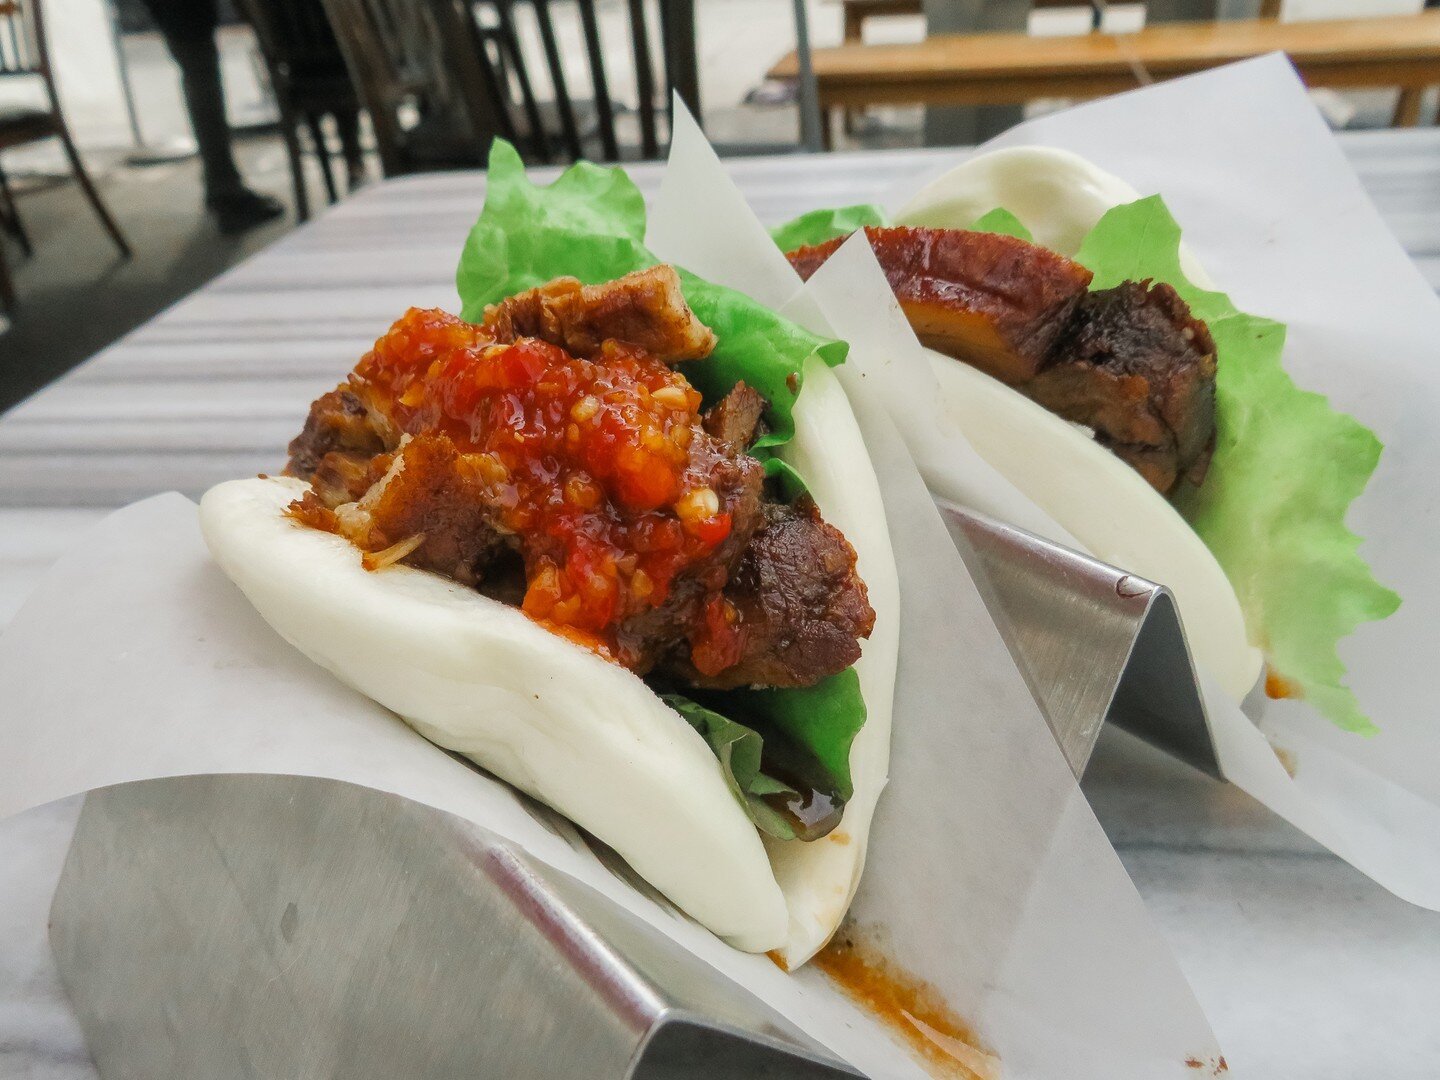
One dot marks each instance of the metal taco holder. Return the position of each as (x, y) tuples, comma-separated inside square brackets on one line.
[(244, 926), (1094, 643)]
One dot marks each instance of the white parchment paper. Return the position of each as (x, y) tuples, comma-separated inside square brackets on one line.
[(988, 875), (1275, 214)]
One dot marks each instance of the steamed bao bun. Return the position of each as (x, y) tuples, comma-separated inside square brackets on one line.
[(1101, 501), (581, 734)]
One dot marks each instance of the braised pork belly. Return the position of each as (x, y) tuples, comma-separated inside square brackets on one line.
[(1130, 362)]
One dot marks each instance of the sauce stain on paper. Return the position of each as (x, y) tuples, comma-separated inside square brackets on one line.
[(1278, 687), (1287, 758), (911, 1008), (1217, 1067)]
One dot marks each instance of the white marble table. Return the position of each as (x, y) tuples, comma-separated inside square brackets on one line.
[(1306, 969)]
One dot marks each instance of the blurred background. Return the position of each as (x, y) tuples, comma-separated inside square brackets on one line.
[(111, 208)]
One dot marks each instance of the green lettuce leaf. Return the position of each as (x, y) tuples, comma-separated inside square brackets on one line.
[(1285, 470), (822, 719), (755, 345), (1005, 223), (771, 744), (739, 749), (818, 226), (525, 231), (785, 477), (590, 224)]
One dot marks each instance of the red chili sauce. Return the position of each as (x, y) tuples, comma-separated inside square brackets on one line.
[(588, 459)]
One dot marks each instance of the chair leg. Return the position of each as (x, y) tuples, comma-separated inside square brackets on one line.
[(644, 80), (288, 132), (7, 285), (88, 186), (347, 125), (507, 44), (569, 126), (322, 154), (6, 282), (1407, 107), (12, 215), (604, 107)]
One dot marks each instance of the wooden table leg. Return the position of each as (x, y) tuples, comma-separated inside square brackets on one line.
[(7, 285), (1407, 106)]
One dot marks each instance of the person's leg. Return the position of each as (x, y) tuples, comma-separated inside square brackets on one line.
[(188, 27)]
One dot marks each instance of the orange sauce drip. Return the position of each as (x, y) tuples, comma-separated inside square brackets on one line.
[(909, 1007), (1217, 1067), (1277, 686), (1286, 759), (588, 460)]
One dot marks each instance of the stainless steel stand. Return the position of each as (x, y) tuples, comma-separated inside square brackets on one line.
[(279, 926), (1093, 642)]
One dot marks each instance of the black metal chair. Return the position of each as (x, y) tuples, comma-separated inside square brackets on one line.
[(680, 74), (430, 89), (25, 55), (308, 76)]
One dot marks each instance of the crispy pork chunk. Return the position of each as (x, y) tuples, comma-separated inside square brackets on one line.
[(798, 600), (428, 496), (644, 308), (995, 301), (1130, 362), (679, 628), (339, 420), (645, 637), (736, 418), (1136, 366)]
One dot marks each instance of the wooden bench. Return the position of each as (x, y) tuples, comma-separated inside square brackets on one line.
[(1007, 69), (856, 13)]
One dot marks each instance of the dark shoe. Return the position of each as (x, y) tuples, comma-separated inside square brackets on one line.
[(236, 211)]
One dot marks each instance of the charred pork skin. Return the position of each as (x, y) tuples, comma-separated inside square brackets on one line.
[(1136, 366), (1130, 362), (993, 301), (586, 487)]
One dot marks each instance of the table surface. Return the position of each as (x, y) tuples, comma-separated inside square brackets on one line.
[(1305, 968)]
